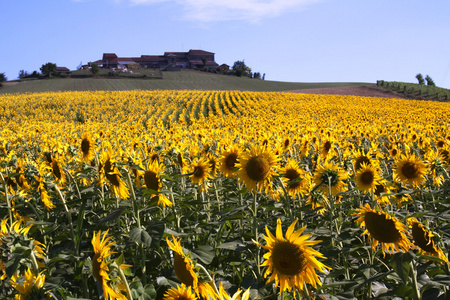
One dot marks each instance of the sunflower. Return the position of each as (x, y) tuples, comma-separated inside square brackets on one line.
[(394, 152), (180, 161), (286, 144), (184, 269), (382, 188), (200, 172), (87, 147), (409, 169), (180, 293), (423, 239), (359, 159), (45, 198), (329, 178), (318, 202), (58, 171), (112, 174), (228, 160), (297, 180), (445, 154), (212, 165), (236, 296), (291, 261), (31, 287), (101, 266), (367, 178), (326, 147), (256, 168), (152, 179), (435, 163), (20, 178), (384, 229)]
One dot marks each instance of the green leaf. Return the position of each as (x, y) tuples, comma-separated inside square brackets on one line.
[(231, 245), (204, 253), (140, 292), (400, 264), (111, 217), (405, 291), (141, 237)]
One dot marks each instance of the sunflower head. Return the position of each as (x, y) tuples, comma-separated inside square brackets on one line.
[(182, 292), (367, 178), (382, 188), (152, 179), (182, 264), (423, 239), (109, 171), (229, 159), (329, 178), (326, 147), (58, 171), (409, 169), (256, 168), (200, 171), (31, 287), (297, 180), (101, 264), (290, 260), (384, 229), (359, 159), (87, 147)]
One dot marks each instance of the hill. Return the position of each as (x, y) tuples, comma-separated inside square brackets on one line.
[(183, 80)]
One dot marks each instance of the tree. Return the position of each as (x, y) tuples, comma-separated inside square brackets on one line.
[(94, 68), (2, 78), (419, 77), (241, 69), (430, 81), (23, 74), (48, 69)]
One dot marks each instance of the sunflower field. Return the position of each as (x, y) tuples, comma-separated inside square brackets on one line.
[(187, 195)]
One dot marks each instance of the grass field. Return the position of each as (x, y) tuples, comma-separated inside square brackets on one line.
[(191, 80)]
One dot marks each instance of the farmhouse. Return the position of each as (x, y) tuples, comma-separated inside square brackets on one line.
[(172, 61)]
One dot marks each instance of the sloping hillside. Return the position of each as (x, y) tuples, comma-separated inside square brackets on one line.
[(190, 80)]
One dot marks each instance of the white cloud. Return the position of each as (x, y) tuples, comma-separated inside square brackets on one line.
[(223, 10), (249, 10)]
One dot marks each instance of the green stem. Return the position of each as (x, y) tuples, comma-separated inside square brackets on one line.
[(209, 277), (69, 216), (414, 281), (255, 230), (125, 282), (135, 204)]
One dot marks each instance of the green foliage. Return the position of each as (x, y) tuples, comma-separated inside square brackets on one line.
[(95, 69), (430, 81), (415, 90), (241, 69), (48, 69), (2, 78), (419, 77)]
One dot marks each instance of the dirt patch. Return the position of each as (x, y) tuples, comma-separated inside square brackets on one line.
[(8, 83), (362, 91)]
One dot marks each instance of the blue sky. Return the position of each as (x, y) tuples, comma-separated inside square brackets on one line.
[(288, 40)]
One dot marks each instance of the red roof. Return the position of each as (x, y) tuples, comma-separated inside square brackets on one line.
[(109, 56), (62, 69), (199, 52)]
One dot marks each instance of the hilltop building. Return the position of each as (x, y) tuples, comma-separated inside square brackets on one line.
[(171, 61)]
